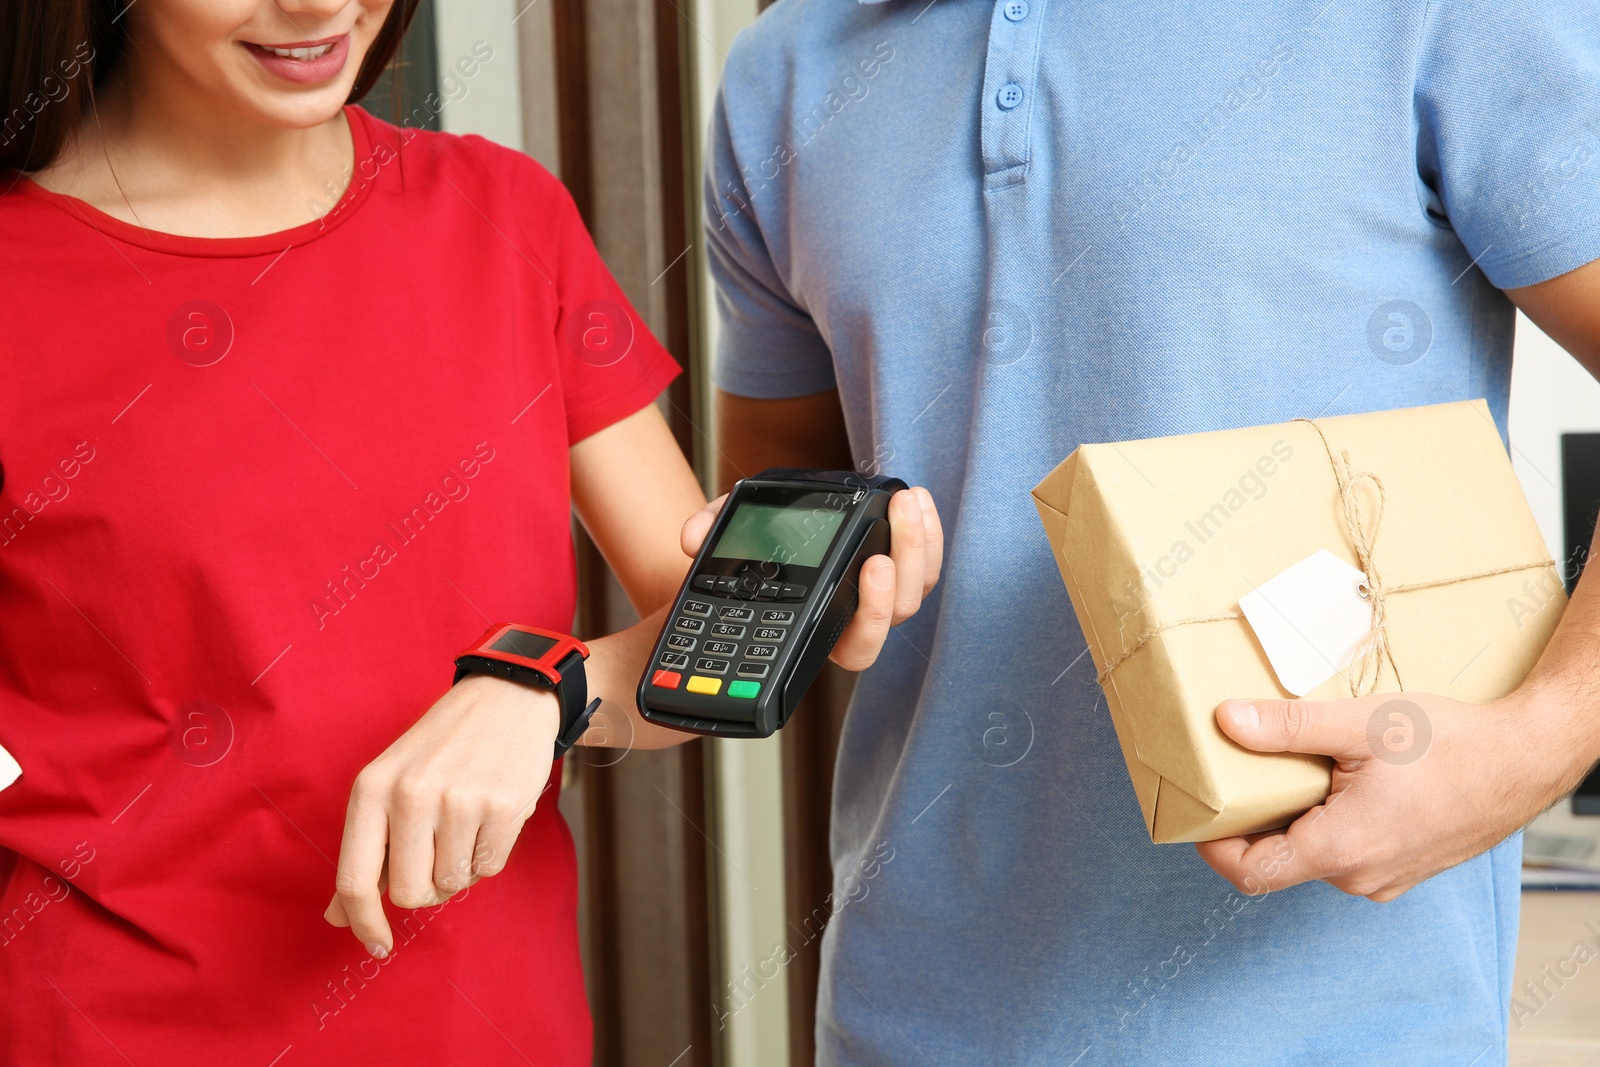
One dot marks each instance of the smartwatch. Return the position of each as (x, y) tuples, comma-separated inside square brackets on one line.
[(542, 658)]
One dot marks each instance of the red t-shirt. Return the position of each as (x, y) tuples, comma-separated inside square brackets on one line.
[(257, 494)]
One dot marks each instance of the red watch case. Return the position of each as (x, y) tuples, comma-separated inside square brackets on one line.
[(510, 637)]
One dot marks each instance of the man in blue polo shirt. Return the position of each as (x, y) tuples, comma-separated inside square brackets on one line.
[(970, 235)]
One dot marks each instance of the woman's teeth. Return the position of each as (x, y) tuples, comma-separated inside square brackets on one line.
[(300, 53)]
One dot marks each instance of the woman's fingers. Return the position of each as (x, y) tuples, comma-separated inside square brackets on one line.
[(335, 911), (430, 857), (411, 829), (470, 771), (494, 847), (361, 857), (453, 840)]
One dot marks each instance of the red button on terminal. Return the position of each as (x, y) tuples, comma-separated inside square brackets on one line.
[(666, 679)]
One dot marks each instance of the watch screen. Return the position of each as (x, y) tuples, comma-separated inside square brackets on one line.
[(773, 534), (526, 645)]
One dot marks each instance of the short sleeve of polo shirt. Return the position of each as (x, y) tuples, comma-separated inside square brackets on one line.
[(768, 346), (1508, 107), (609, 362)]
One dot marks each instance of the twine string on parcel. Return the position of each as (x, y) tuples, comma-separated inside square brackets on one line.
[(1363, 540)]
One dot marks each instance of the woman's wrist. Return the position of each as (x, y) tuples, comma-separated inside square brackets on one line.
[(616, 663), (539, 704)]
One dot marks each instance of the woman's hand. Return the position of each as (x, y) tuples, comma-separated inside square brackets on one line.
[(892, 586), (442, 806)]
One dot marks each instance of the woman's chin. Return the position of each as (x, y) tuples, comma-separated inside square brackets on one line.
[(297, 111)]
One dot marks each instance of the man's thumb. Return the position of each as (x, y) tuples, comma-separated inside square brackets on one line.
[(1328, 728)]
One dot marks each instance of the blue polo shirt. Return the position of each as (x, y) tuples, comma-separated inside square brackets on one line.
[(1004, 228)]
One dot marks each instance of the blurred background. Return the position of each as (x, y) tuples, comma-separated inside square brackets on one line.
[(704, 868)]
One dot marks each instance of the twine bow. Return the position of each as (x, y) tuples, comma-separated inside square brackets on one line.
[(1376, 647)]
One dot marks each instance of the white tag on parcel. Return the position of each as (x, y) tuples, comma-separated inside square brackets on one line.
[(1311, 620)]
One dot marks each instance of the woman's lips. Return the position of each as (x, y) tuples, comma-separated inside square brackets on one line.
[(304, 62)]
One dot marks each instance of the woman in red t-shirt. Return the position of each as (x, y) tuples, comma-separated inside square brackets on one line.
[(292, 404)]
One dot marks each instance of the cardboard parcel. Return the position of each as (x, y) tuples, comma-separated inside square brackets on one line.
[(1158, 540)]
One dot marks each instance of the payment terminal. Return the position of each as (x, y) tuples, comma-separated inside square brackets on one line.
[(768, 595)]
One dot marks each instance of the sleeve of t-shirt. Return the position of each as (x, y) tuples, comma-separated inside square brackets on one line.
[(768, 346), (1508, 100), (609, 364)]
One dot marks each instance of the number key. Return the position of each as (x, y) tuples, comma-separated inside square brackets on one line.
[(761, 651), (777, 616), (727, 629), (690, 626), (720, 648), (769, 633), (682, 642)]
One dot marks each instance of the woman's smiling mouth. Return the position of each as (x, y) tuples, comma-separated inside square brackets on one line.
[(304, 62)]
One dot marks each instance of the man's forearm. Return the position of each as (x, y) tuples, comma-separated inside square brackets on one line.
[(1562, 692), (753, 434)]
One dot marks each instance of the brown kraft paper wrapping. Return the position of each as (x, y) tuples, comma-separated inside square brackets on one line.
[(1158, 539)]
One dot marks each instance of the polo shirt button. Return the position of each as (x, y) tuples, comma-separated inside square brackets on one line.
[(1010, 96), (1015, 10)]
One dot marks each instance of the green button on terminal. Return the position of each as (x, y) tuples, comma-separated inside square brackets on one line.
[(744, 689)]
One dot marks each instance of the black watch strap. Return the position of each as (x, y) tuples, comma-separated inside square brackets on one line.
[(576, 707), (573, 692)]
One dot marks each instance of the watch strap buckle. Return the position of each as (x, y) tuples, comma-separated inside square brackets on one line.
[(574, 730)]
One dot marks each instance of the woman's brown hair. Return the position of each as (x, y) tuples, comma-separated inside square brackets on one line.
[(55, 53)]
